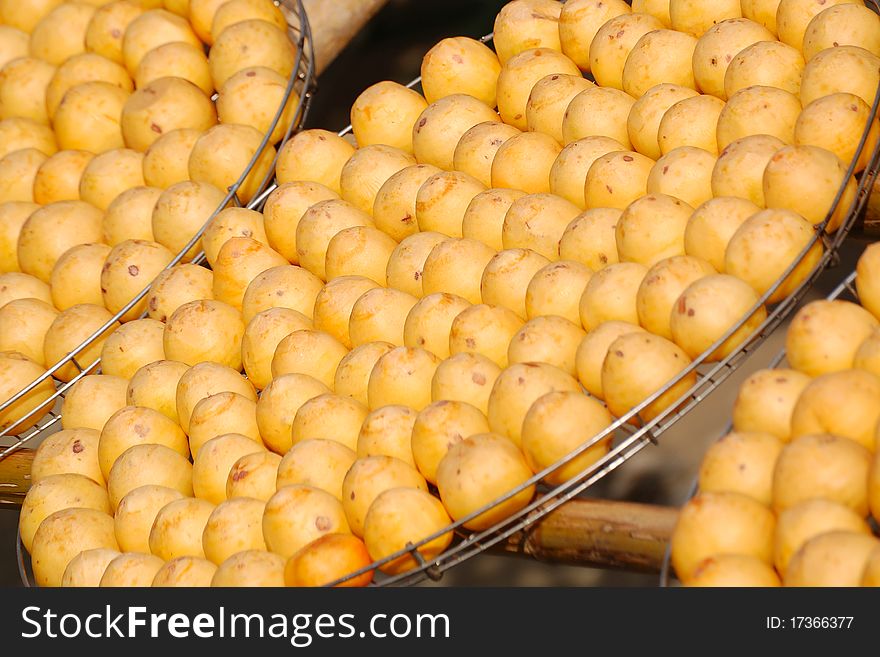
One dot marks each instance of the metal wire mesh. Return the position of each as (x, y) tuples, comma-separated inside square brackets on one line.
[(301, 83)]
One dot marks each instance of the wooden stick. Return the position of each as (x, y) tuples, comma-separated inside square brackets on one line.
[(15, 477), (600, 533), (335, 23)]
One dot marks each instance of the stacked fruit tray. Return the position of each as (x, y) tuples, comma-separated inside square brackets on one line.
[(474, 315), (783, 497)]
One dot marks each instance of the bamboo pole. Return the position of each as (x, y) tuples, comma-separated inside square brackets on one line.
[(335, 23), (600, 533)]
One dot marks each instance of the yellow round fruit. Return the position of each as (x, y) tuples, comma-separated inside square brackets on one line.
[(523, 24), (691, 122), (718, 46), (598, 112), (16, 285), (231, 222), (548, 100), (836, 123), (317, 227), (223, 413), (64, 535), (660, 56), (439, 426), (236, 11), (637, 366), (327, 559), (486, 330), (166, 161), (384, 113), (18, 171), (840, 403), (131, 347), (708, 309), (306, 351), (761, 11), (316, 462), (806, 520), (133, 425), (568, 175), (69, 451), (550, 339), (259, 343), (314, 156), (52, 230), (866, 279), (848, 69), (765, 245), (593, 348), (793, 17), (13, 215), (283, 210), (713, 224), (239, 262), (842, 24), (695, 17), (734, 570), (612, 44), (507, 275), (524, 162), (234, 50), (180, 213), (477, 471), (741, 463), (18, 133), (129, 268), (460, 65), (556, 289), (249, 569), (824, 336), (221, 155), (204, 330), (401, 517), (394, 209), (24, 84), (109, 174), (87, 568), (285, 286), (155, 386), (685, 173), (766, 400), (517, 388), (387, 431), (201, 16), (185, 572), (353, 374), (151, 30), (579, 23), (379, 314), (56, 493), (739, 169), (69, 330), (213, 462), (278, 404), (822, 465), (557, 424), (537, 222), (89, 117), (617, 179), (91, 401), (13, 43), (871, 574), (253, 476), (129, 215), (176, 286), (652, 229), (131, 570), (367, 170), (465, 377), (807, 179), (713, 524), (296, 515), (767, 64), (234, 526), (519, 75), (144, 465), (835, 558), (61, 33), (334, 304), (591, 238), (367, 479), (402, 376), (661, 288), (442, 199), (180, 60), (87, 67), (429, 323), (177, 530), (758, 110), (204, 380), (484, 217), (106, 30), (23, 326), (611, 295)]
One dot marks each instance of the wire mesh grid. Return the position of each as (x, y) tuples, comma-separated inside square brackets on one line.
[(301, 85), (845, 290), (630, 432)]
